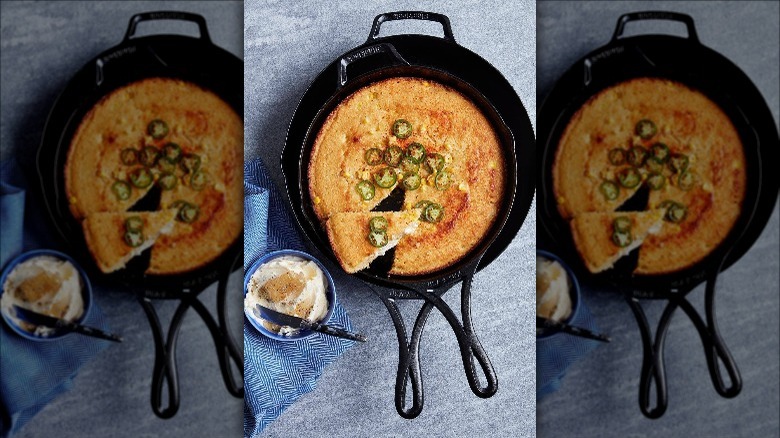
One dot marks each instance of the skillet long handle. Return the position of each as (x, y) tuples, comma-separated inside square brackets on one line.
[(653, 368), (715, 349), (408, 360), (164, 371), (470, 347), (476, 350)]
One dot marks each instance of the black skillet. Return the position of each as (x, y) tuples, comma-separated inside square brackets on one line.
[(687, 61), (196, 60), (444, 61)]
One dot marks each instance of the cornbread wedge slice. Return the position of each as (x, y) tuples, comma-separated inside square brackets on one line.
[(105, 235), (593, 231), (348, 235)]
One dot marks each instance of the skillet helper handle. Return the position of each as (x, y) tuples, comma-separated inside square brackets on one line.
[(653, 369), (168, 15), (365, 52), (656, 15), (408, 360), (412, 15)]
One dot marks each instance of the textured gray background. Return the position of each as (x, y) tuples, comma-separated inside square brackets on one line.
[(43, 45), (286, 45), (599, 396)]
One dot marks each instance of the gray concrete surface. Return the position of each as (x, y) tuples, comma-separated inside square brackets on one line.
[(286, 44), (599, 395), (43, 44)]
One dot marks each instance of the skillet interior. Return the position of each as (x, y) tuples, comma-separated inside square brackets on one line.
[(691, 64), (195, 60), (378, 270), (500, 107)]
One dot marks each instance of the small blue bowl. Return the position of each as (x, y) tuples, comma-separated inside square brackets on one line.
[(574, 293), (86, 293), (330, 293)]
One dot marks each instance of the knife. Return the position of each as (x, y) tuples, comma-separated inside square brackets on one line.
[(57, 323), (295, 322), (542, 322)]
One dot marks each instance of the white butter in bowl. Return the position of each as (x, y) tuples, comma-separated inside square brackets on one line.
[(553, 290), (44, 284), (291, 285)]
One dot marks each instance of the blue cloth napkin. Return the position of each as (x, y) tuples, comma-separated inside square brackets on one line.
[(555, 353), (33, 373), (277, 373)]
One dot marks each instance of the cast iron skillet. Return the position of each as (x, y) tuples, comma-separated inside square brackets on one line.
[(196, 60), (441, 60), (687, 61)]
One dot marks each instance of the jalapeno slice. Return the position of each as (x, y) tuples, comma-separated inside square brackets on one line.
[(166, 166), (149, 156), (655, 166), (443, 180), (167, 181), (686, 180), (433, 212), (365, 189), (412, 181), (659, 152), (636, 156), (129, 156), (373, 156), (622, 238), (199, 179), (134, 223), (646, 129), (377, 238), (157, 129), (377, 223), (134, 239), (678, 162), (629, 177), (621, 224), (121, 190), (416, 152), (385, 178), (402, 128), (617, 156), (393, 156), (190, 162), (188, 213), (610, 190), (434, 163), (141, 177), (675, 212), (656, 181), (422, 205), (408, 165), (172, 152)]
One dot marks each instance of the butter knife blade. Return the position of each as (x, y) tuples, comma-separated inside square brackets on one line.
[(49, 321)]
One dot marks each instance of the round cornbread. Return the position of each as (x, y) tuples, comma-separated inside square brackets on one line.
[(443, 121), (688, 123), (200, 123)]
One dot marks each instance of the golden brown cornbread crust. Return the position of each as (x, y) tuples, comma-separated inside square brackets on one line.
[(445, 122), (201, 123), (689, 123), (592, 233), (104, 233), (348, 231)]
